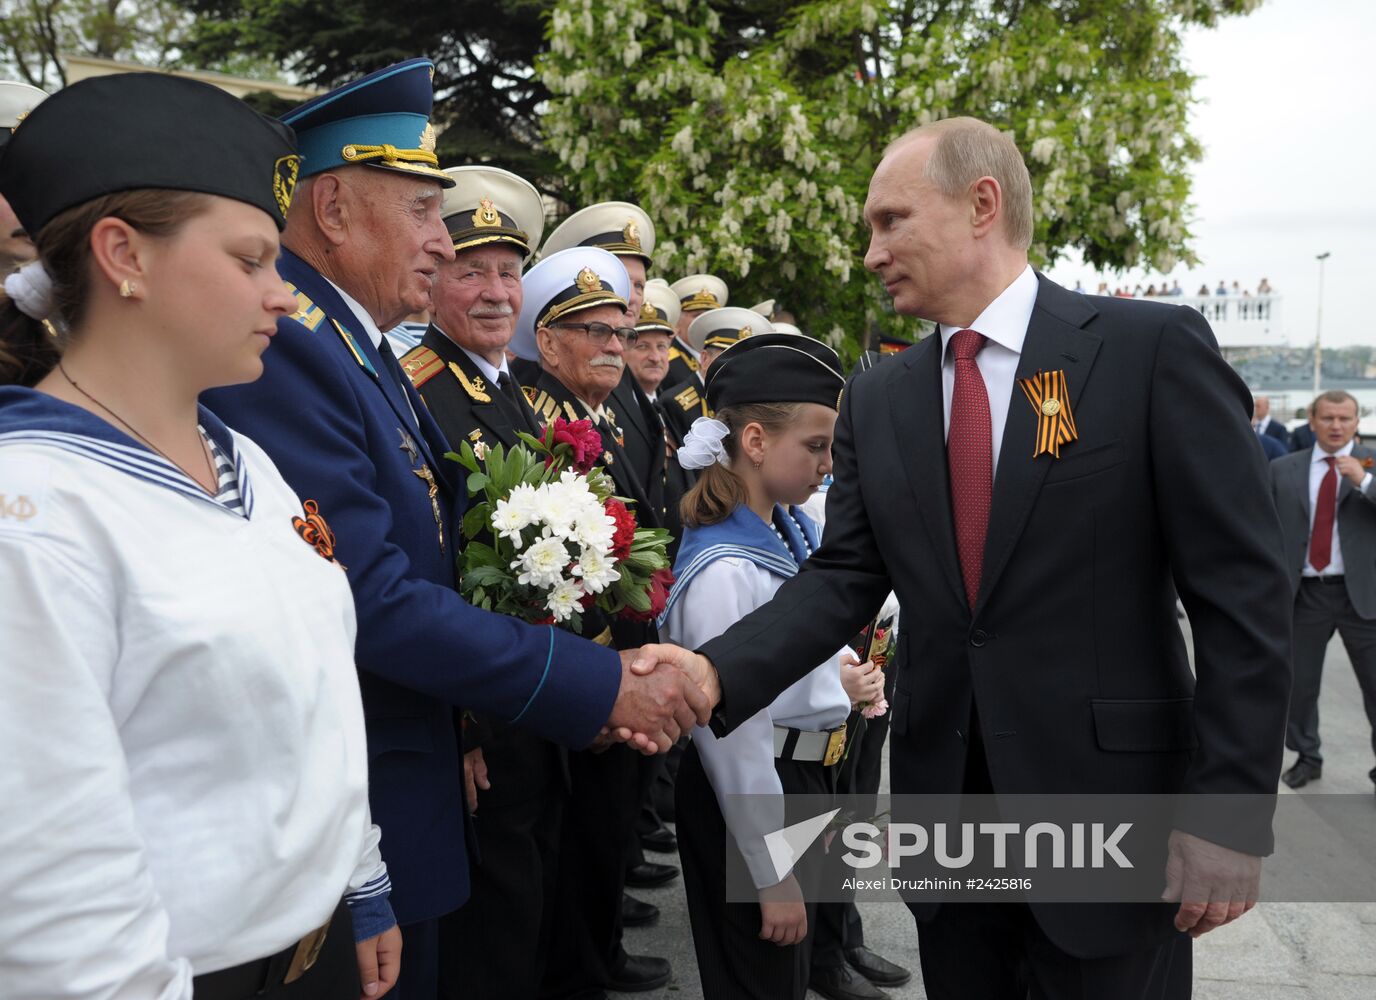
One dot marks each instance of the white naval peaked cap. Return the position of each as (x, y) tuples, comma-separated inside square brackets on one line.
[(616, 226), (492, 205), (787, 328), (700, 291), (660, 310), (16, 101), (565, 283), (765, 308), (720, 328)]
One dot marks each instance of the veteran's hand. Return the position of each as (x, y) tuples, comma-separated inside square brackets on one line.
[(1352, 469), (1213, 884), (655, 706), (475, 776)]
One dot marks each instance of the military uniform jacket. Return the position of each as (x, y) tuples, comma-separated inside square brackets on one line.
[(336, 417), (683, 367), (681, 405), (468, 407), (643, 430)]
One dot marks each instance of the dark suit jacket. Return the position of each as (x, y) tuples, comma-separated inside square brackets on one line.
[(333, 414), (1276, 429), (642, 430), (1073, 653), (1272, 447), (1302, 438), (1356, 525)]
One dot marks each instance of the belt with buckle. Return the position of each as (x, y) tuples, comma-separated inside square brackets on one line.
[(262, 974), (826, 747)]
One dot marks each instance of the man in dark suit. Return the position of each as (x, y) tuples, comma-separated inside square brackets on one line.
[(1043, 654), (1265, 425), (1327, 506), (336, 414), (494, 945)]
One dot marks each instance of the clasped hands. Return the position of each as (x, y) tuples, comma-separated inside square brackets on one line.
[(665, 691)]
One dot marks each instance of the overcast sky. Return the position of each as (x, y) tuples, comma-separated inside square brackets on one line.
[(1288, 122)]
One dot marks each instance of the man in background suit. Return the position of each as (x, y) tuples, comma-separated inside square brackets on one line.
[(1046, 657), (1265, 425), (1327, 508)]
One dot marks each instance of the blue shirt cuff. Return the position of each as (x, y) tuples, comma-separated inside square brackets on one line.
[(371, 916)]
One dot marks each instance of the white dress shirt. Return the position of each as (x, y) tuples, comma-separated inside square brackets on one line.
[(186, 774), (743, 763), (1004, 325), (485, 366), (1318, 468), (375, 335)]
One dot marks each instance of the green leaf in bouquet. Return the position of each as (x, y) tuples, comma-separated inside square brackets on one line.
[(478, 554), (531, 440), (639, 599), (465, 456), (487, 576), (477, 482), (476, 519)]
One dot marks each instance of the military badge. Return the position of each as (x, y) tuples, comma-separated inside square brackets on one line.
[(648, 313), (588, 281), (631, 233), (284, 173), (486, 215), (476, 387), (1050, 398)]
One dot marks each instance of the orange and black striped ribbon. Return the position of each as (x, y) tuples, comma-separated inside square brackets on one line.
[(1053, 429)]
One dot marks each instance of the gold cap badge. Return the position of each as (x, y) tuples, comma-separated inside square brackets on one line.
[(648, 313), (486, 215), (631, 233), (746, 331), (427, 138), (588, 281)]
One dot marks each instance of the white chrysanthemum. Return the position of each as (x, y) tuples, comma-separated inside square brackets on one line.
[(595, 530), (562, 600), (596, 570), (515, 513), (542, 565)]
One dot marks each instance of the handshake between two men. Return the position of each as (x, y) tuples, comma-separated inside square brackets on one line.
[(665, 691)]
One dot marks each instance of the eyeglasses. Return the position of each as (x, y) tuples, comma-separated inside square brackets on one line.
[(600, 333)]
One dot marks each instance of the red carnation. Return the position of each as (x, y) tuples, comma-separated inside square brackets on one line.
[(660, 582), (582, 438), (624, 534)]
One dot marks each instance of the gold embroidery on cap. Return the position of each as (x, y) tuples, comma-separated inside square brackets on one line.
[(631, 233), (588, 281), (284, 173), (486, 215), (648, 313), (427, 138)]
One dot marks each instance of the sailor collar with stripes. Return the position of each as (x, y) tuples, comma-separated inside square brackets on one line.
[(780, 547), (35, 418)]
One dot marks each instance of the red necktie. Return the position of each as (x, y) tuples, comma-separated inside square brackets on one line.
[(970, 458), (1321, 538)]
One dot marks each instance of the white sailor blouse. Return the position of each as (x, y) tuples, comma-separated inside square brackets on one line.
[(185, 777), (723, 572)]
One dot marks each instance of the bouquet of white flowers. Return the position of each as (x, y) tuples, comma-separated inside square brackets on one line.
[(546, 539)]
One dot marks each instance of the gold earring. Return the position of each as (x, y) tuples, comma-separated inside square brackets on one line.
[(126, 289)]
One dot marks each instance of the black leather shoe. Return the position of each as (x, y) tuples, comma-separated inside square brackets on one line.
[(640, 973), (876, 968), (648, 874), (635, 913), (844, 983), (1301, 773), (661, 840)]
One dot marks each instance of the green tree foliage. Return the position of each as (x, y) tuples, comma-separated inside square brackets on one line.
[(749, 130), (487, 98), (35, 34)]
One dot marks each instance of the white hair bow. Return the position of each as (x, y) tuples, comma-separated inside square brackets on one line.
[(31, 288), (702, 445)]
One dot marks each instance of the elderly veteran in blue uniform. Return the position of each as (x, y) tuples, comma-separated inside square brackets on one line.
[(333, 409)]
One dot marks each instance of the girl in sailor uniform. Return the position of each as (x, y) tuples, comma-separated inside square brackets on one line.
[(767, 449), (185, 784)]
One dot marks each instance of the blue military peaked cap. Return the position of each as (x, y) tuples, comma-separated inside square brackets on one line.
[(381, 120)]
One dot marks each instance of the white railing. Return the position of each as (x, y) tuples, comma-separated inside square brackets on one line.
[(1232, 308)]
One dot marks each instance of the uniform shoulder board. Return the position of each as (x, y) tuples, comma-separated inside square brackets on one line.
[(421, 365), (308, 314), (544, 406), (570, 413), (688, 398)]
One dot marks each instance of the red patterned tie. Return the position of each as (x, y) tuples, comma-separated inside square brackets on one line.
[(1321, 538), (970, 458)]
